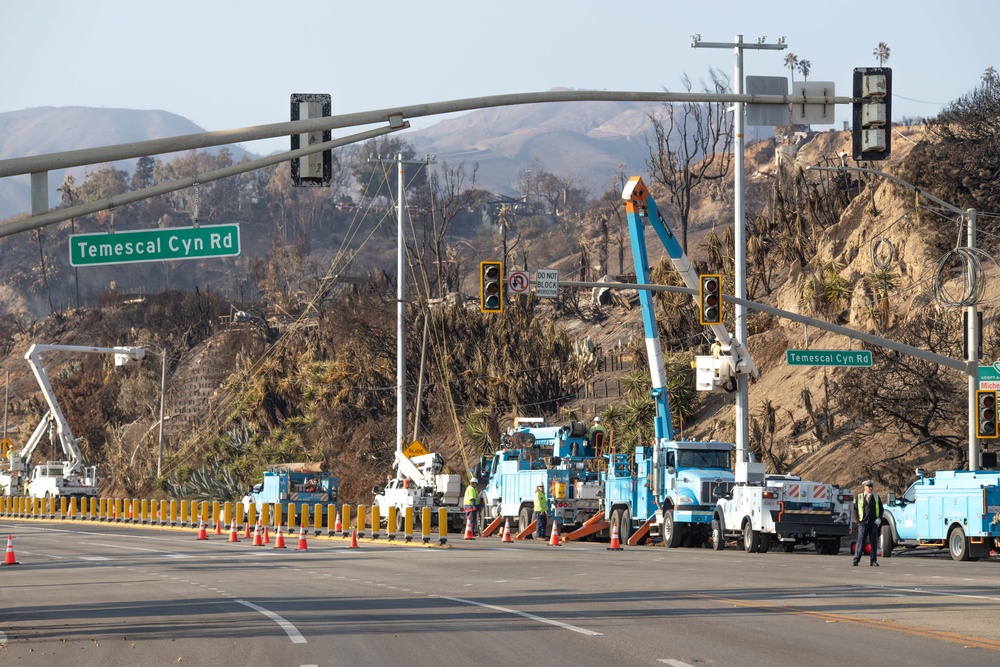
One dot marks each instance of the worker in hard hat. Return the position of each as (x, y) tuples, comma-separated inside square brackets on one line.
[(597, 436), (716, 348), (471, 504), (541, 512)]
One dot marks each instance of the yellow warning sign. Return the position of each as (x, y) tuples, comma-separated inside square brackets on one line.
[(5, 446), (415, 449)]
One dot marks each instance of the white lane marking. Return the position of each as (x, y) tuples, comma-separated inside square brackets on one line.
[(558, 624), (673, 663), (941, 593), (289, 629), (93, 558), (118, 546)]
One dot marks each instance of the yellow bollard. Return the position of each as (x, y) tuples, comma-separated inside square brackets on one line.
[(362, 517), (174, 509), (442, 525), (376, 522), (331, 519), (227, 515), (345, 520), (276, 514), (425, 524), (290, 515), (204, 515), (317, 518), (95, 506), (144, 511), (194, 514), (265, 514), (304, 518), (390, 523), (183, 512), (408, 524), (118, 510)]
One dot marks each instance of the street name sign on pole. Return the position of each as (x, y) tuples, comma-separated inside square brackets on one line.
[(154, 245), (853, 358), (547, 283)]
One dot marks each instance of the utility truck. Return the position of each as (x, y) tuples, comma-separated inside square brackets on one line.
[(419, 482), (559, 458), (295, 484), (684, 492), (69, 477), (956, 509)]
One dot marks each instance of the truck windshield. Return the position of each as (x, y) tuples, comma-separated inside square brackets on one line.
[(703, 459)]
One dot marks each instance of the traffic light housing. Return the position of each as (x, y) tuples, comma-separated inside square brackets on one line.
[(986, 414), (315, 169), (491, 287), (871, 132), (710, 298)]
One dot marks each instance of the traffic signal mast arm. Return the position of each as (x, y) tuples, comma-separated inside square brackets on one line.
[(74, 459), (641, 205)]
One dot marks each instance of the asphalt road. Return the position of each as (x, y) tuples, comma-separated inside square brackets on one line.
[(96, 594)]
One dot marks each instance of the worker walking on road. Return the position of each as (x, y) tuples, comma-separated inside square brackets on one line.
[(869, 514), (541, 512), (472, 504)]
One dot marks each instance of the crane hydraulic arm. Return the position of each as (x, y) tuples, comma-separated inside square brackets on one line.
[(54, 416)]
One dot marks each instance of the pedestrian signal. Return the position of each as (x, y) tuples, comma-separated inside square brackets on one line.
[(986, 414), (710, 298), (491, 287)]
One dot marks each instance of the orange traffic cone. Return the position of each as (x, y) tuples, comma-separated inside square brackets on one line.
[(554, 540), (9, 558), (468, 527), (354, 539), (267, 536), (279, 539), (202, 533), (233, 537), (302, 539), (247, 533), (338, 527), (258, 540), (506, 532), (218, 525), (616, 544)]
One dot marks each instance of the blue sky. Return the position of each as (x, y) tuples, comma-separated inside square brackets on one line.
[(233, 63)]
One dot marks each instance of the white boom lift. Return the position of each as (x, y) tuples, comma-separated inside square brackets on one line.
[(56, 478)]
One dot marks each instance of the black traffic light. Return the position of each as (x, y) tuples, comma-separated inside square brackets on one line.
[(986, 414), (872, 124), (491, 287), (710, 298), (315, 169)]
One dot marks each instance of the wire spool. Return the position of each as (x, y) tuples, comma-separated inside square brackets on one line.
[(883, 253)]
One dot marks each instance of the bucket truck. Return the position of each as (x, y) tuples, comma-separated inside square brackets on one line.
[(419, 483), (687, 491), (532, 453), (68, 477)]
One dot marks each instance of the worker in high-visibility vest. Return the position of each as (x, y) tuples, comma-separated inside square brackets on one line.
[(541, 512), (869, 515), (472, 504)]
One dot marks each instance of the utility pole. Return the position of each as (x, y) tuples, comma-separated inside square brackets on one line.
[(401, 295), (739, 226)]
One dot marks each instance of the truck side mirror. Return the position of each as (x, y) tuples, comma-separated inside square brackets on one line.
[(671, 470), (891, 497), (376, 490)]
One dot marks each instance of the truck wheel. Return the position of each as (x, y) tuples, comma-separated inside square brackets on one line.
[(828, 547), (718, 540), (958, 544), (625, 527), (671, 536), (523, 519), (751, 539), (885, 541), (765, 543), (400, 521)]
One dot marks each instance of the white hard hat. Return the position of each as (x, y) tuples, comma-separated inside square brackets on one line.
[(597, 420), (473, 481)]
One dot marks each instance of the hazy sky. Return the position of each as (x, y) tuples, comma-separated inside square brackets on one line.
[(233, 63)]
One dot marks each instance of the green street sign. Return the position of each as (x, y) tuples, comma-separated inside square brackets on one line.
[(154, 245), (855, 358)]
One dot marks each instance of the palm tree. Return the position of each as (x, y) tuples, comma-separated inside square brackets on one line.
[(791, 60), (804, 68), (990, 78), (881, 53)]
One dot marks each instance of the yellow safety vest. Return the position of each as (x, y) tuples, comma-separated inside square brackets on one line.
[(861, 506)]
